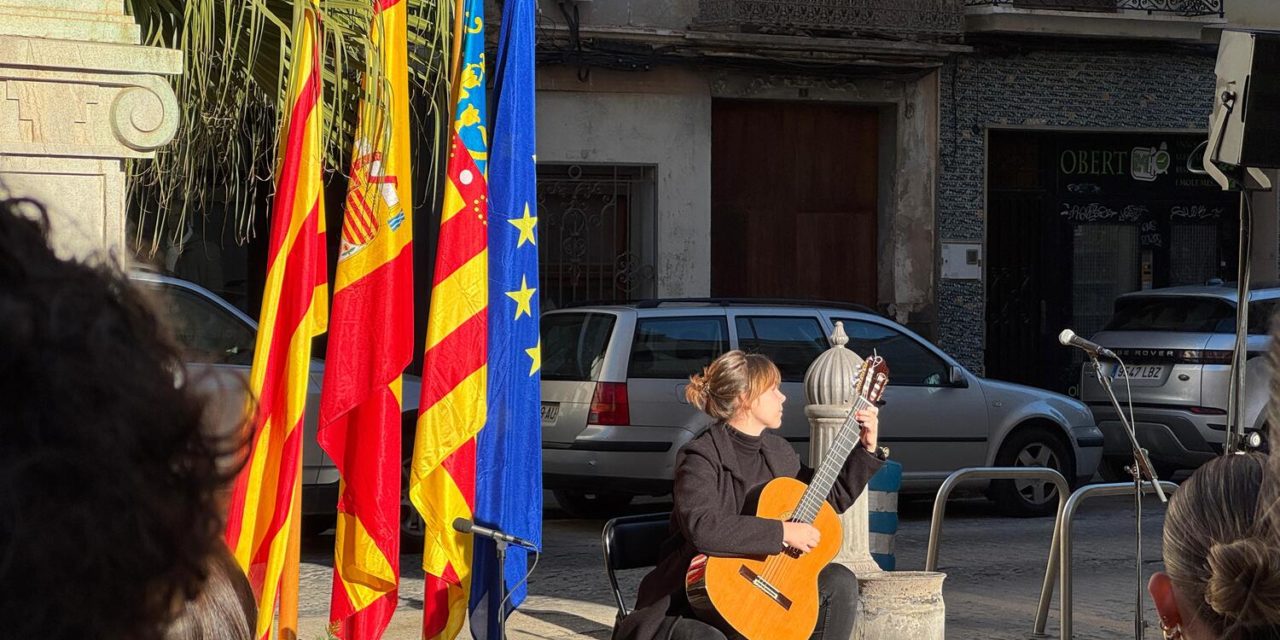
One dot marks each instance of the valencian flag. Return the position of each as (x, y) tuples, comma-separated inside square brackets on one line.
[(453, 400), (509, 449), (371, 342), (263, 516)]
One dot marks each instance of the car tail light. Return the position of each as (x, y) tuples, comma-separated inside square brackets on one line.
[(1210, 356), (1207, 411), (609, 404)]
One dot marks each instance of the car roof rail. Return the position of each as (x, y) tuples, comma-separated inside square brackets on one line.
[(598, 303), (765, 302)]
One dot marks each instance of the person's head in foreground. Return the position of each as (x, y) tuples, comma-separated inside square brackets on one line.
[(108, 482), (224, 610), (1221, 557)]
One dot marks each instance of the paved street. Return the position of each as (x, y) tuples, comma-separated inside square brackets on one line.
[(994, 568)]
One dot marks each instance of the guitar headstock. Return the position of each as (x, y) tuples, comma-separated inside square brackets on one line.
[(872, 378)]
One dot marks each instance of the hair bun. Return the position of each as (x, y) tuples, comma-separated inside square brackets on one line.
[(696, 392), (1244, 581)]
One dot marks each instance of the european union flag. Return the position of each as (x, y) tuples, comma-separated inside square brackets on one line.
[(509, 448)]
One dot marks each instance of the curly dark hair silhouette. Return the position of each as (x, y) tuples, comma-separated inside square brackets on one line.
[(109, 478)]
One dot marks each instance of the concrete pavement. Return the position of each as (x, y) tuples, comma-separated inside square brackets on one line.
[(995, 566)]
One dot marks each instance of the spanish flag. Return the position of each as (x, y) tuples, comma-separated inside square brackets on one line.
[(452, 404), (371, 342), (262, 522)]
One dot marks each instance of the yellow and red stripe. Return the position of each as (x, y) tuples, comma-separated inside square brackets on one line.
[(263, 508), (370, 344), (442, 485)]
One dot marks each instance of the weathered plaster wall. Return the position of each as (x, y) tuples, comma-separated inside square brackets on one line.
[(661, 119)]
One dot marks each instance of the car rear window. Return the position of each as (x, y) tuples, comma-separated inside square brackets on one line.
[(207, 332), (573, 345), (676, 347), (1168, 313), (1260, 315), (792, 343)]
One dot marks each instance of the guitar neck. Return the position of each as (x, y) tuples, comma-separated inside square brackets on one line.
[(848, 437)]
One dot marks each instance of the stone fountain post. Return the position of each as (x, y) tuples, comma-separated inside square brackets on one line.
[(892, 605)]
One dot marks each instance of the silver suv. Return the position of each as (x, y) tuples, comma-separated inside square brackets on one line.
[(1177, 345), (614, 414), (216, 336)]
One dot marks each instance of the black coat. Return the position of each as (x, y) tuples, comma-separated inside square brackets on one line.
[(709, 494)]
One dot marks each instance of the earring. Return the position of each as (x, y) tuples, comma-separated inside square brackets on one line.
[(1171, 632)]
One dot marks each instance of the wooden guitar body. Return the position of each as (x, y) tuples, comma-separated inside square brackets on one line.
[(772, 597)]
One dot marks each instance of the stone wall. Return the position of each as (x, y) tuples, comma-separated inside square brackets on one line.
[(78, 97), (1110, 89), (660, 119)]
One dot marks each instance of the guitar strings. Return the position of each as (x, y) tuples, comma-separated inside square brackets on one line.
[(810, 503)]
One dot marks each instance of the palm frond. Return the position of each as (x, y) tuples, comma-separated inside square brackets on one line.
[(232, 96)]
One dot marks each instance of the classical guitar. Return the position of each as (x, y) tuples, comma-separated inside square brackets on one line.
[(776, 597)]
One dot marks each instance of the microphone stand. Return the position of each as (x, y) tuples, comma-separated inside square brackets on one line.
[(1141, 466), (501, 546)]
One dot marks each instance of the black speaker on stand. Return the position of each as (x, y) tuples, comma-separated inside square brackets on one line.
[(1244, 139), (1246, 110)]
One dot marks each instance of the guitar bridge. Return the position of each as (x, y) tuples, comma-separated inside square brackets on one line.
[(763, 585)]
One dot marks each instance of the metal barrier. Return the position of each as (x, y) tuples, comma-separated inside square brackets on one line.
[(1005, 473), (1064, 523)]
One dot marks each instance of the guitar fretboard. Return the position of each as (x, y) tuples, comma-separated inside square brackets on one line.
[(849, 435)]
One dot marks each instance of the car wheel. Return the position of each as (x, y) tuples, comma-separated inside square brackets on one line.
[(1031, 498), (580, 504)]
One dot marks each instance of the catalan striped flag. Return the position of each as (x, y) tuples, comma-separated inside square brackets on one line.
[(453, 400), (371, 342), (509, 449), (263, 514)]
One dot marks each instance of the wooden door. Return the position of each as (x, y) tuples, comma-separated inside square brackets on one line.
[(793, 200)]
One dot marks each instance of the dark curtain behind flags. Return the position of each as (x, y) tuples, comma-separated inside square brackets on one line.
[(509, 448)]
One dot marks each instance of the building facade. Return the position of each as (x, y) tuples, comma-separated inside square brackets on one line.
[(742, 148), (1065, 138), (988, 172)]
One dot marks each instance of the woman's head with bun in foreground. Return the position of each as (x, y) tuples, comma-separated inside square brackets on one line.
[(1221, 554)]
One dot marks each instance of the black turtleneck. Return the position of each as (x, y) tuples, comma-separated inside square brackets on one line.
[(750, 457)]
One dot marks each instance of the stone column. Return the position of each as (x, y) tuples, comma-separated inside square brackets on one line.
[(78, 97), (828, 390), (892, 605)]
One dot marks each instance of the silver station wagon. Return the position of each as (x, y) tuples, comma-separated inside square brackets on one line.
[(217, 338), (614, 413)]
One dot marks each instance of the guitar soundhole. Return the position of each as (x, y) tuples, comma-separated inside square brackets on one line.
[(764, 586)]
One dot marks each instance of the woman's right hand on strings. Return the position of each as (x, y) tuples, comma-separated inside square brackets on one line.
[(800, 535)]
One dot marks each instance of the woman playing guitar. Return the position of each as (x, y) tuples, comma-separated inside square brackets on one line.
[(715, 476)]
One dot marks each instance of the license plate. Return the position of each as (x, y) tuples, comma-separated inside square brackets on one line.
[(550, 411), (1141, 372)]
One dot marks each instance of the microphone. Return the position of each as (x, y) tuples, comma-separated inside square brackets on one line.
[(464, 525), (1068, 338)]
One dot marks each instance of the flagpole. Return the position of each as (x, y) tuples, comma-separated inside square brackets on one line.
[(455, 61), (292, 559)]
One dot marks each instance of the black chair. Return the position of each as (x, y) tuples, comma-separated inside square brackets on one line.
[(632, 542)]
